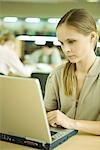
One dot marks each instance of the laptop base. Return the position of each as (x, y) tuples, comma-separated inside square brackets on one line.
[(35, 144)]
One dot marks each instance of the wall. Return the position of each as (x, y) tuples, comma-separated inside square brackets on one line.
[(44, 10)]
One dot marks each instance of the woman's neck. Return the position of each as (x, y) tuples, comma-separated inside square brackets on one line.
[(85, 65)]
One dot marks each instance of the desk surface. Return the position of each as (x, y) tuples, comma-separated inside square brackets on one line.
[(80, 141)]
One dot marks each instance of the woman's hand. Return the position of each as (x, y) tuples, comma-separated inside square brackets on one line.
[(57, 118)]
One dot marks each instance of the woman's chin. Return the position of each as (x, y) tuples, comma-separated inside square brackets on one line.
[(73, 60)]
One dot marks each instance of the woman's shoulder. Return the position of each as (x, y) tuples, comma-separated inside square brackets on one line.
[(5, 50), (97, 63), (58, 70)]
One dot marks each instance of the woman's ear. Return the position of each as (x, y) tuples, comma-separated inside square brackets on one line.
[(93, 36)]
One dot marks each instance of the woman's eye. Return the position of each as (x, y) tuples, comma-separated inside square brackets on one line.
[(71, 41)]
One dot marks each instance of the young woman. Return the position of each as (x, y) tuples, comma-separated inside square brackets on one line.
[(72, 96), (9, 61)]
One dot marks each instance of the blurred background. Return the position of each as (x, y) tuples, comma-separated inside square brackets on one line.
[(34, 21)]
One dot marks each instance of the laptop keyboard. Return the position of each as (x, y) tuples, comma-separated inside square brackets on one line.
[(57, 135), (53, 133)]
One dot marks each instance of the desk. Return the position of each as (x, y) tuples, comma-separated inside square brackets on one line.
[(81, 141)]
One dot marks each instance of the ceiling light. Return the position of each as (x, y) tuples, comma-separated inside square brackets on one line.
[(92, 0), (38, 42), (56, 43), (32, 20), (53, 20), (39, 39), (10, 19)]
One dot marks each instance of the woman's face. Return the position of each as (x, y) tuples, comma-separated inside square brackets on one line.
[(75, 45)]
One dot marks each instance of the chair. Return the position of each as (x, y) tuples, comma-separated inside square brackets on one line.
[(42, 78)]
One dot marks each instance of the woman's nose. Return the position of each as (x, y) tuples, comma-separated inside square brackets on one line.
[(66, 48)]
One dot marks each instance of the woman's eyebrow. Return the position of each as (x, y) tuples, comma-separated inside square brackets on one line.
[(67, 40)]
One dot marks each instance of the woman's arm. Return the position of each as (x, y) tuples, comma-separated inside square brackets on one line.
[(57, 118), (87, 126)]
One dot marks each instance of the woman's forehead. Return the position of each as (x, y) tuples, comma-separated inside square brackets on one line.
[(66, 28), (66, 31)]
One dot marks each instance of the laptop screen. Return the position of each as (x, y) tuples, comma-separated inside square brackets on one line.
[(23, 112)]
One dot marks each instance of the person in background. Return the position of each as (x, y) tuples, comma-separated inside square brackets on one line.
[(72, 96), (49, 54), (9, 60)]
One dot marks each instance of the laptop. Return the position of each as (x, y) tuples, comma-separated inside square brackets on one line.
[(23, 117)]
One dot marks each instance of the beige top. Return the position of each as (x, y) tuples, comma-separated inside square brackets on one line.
[(88, 107)]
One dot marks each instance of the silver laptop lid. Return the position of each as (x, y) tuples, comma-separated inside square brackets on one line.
[(23, 112)]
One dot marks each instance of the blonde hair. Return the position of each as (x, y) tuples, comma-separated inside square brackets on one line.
[(84, 23), (6, 36)]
